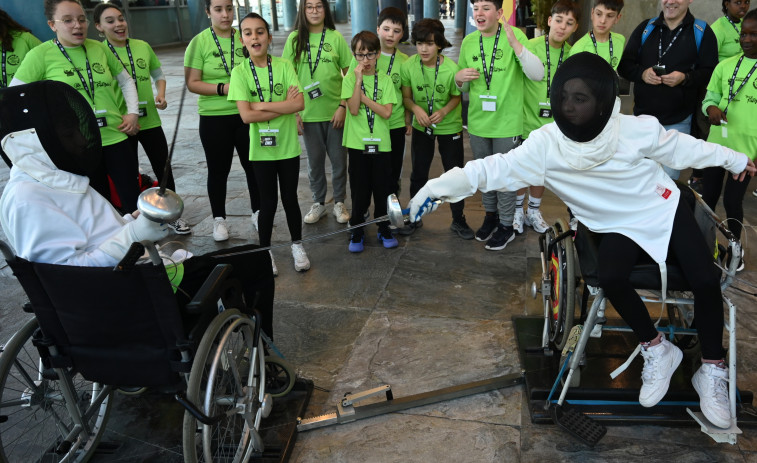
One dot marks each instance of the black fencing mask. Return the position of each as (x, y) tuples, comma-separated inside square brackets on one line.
[(583, 96), (64, 122)]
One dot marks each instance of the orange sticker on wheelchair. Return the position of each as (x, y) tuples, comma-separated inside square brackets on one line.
[(555, 270), (662, 191)]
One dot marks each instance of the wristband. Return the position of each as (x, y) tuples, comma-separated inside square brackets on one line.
[(219, 89), (342, 106)]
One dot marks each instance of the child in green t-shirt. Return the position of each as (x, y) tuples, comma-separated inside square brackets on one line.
[(494, 61), (370, 96), (552, 49), (268, 94), (600, 39), (429, 92)]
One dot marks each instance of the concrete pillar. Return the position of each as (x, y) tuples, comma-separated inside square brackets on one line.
[(340, 13), (31, 15), (417, 11), (461, 15), (401, 4), (364, 15), (289, 8), (198, 18), (431, 9)]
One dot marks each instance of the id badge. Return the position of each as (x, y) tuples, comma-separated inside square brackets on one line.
[(545, 110), (142, 108), (371, 145), (101, 121), (313, 90), (268, 137), (488, 102), (724, 129), (429, 131)]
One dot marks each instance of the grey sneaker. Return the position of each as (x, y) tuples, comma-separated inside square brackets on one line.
[(315, 213), (460, 226), (273, 264), (660, 362), (711, 383)]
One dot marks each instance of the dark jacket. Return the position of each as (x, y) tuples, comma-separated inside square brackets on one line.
[(669, 104)]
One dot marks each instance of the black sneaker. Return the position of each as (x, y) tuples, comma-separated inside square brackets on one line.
[(500, 238), (489, 226), (754, 193), (410, 228), (460, 226)]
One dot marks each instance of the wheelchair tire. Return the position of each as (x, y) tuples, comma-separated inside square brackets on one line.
[(227, 378), (279, 376), (36, 419), (562, 268)]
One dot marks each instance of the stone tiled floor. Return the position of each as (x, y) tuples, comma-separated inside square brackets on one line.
[(434, 312)]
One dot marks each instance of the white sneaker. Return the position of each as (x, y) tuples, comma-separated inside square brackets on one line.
[(301, 261), (315, 213), (535, 220), (220, 232), (340, 212), (254, 219), (573, 224), (180, 227), (660, 362), (273, 264), (711, 383), (518, 220)]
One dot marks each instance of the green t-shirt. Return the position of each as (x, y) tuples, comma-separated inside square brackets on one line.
[(742, 112), (284, 127), (144, 61), (421, 81), (202, 53), (356, 128), (500, 120), (22, 43), (727, 37), (603, 48), (46, 62), (398, 110), (536, 103), (327, 79)]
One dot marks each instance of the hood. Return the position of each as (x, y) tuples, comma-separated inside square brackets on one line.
[(586, 155), (27, 154)]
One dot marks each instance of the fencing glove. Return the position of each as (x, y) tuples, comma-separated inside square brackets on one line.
[(451, 187), (138, 230)]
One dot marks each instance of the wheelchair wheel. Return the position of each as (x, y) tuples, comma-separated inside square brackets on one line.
[(561, 266), (35, 417), (279, 376), (228, 380)]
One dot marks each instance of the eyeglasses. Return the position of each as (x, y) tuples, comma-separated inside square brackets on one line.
[(311, 8), (69, 22), (362, 56)]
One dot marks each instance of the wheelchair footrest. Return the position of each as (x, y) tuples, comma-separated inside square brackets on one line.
[(578, 425)]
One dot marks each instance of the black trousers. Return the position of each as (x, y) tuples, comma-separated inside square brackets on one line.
[(617, 256), (270, 176), (369, 174), (253, 270), (733, 196), (219, 136), (422, 153), (122, 166), (154, 143), (396, 156)]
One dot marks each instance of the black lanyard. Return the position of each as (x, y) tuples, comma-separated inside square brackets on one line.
[(733, 24), (430, 101), (91, 94), (220, 51), (731, 93), (660, 53), (596, 50), (549, 64), (131, 59), (391, 63), (371, 115), (488, 75), (257, 82), (4, 82), (312, 66)]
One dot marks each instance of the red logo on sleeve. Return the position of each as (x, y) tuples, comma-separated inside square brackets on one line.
[(663, 191)]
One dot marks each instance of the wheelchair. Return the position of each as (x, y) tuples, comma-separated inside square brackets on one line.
[(569, 282), (58, 373)]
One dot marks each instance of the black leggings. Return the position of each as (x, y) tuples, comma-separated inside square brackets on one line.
[(271, 175), (156, 148), (122, 166), (396, 156), (422, 153), (733, 196), (617, 256), (219, 136), (369, 174)]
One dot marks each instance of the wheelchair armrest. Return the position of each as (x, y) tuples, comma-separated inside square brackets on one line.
[(208, 293)]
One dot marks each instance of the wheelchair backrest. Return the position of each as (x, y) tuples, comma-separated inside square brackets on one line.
[(119, 328)]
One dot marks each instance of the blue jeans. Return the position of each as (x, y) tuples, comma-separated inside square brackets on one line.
[(684, 127)]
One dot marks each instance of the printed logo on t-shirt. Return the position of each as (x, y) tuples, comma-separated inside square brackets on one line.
[(379, 94), (141, 63), (419, 88), (13, 60), (98, 68), (474, 58), (499, 54), (327, 47), (395, 78), (440, 88), (278, 89), (69, 72), (614, 62), (239, 53)]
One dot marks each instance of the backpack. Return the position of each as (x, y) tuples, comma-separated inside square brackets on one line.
[(699, 27)]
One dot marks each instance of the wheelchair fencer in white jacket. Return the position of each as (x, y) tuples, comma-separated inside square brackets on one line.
[(606, 167)]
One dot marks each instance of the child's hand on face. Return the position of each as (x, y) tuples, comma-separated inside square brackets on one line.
[(359, 71)]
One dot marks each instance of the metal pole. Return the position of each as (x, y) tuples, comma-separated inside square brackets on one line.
[(430, 9), (461, 15), (290, 14), (364, 15), (340, 11)]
